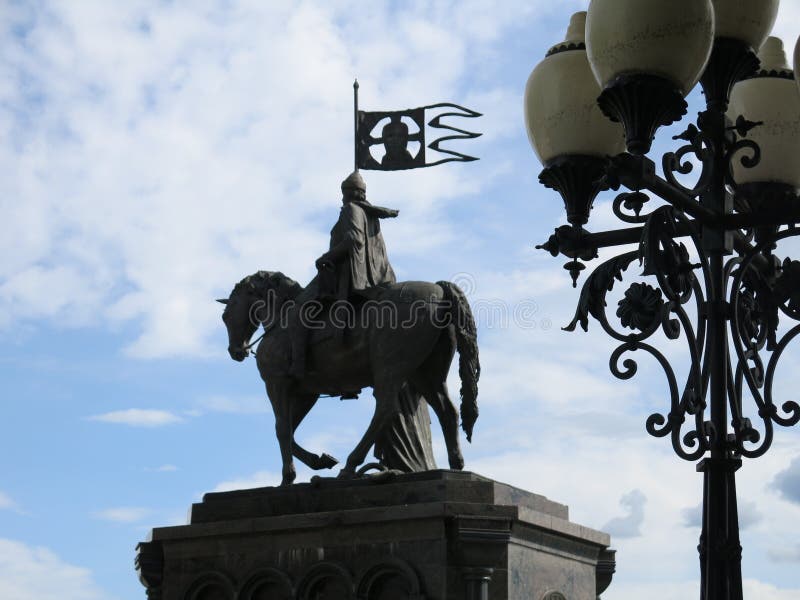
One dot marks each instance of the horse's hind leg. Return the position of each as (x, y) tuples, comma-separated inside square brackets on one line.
[(385, 408), (435, 393), (431, 380)]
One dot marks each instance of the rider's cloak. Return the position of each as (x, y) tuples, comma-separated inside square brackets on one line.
[(366, 265)]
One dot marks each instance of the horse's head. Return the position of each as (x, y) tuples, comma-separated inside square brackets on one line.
[(256, 300)]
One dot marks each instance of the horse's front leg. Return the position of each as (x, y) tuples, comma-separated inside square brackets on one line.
[(385, 408), (278, 390), (303, 403)]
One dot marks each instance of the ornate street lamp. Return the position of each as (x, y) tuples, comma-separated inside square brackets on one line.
[(639, 59)]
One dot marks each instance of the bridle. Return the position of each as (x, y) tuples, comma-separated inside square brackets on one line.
[(267, 329)]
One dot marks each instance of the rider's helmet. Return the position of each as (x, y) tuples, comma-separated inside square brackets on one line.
[(354, 181)]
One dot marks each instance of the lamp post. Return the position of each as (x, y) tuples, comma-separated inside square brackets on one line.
[(592, 110)]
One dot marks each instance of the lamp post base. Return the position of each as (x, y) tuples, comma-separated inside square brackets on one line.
[(720, 548)]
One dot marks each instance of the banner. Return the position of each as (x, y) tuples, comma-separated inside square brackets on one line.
[(398, 140)]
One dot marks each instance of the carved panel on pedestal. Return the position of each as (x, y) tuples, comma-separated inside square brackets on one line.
[(326, 581), (267, 584), (211, 586), (390, 580)]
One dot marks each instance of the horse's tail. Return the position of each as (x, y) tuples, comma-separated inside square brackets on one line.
[(469, 366)]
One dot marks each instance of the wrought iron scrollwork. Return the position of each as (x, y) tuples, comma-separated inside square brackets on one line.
[(736, 147), (665, 258), (748, 161), (631, 201), (756, 299), (644, 310), (701, 146)]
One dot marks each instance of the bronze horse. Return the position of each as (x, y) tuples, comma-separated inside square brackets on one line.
[(413, 342)]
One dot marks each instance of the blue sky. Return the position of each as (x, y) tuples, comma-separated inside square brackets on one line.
[(154, 153)]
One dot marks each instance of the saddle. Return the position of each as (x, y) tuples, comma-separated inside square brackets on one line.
[(343, 317)]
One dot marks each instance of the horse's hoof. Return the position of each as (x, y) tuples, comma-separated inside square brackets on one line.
[(326, 461), (457, 463), (347, 474)]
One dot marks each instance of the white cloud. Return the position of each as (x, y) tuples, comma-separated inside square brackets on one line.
[(245, 405), (122, 514), (138, 417), (785, 555), (786, 26), (36, 573), (163, 151), (163, 469), (787, 482), (752, 588), (6, 501), (672, 590), (256, 480), (691, 589), (628, 526)]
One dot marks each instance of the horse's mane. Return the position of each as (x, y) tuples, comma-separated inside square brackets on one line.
[(261, 282)]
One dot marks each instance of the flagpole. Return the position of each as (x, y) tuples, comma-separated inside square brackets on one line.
[(355, 125)]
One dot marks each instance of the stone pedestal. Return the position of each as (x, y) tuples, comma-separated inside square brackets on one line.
[(438, 535)]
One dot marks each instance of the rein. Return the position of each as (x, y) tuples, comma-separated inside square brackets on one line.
[(267, 329), (258, 339), (254, 342)]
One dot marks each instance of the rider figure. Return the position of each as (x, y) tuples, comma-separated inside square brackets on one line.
[(355, 262)]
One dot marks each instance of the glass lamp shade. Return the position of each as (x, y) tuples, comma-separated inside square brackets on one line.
[(671, 40), (561, 112), (748, 21), (770, 96)]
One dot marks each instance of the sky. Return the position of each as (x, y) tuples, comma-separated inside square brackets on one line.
[(154, 153)]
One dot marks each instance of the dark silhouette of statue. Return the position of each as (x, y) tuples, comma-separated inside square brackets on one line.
[(405, 359), (399, 362)]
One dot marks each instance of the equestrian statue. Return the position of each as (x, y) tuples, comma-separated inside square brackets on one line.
[(354, 326)]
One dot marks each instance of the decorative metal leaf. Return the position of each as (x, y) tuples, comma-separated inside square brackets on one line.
[(661, 255), (693, 136), (660, 226), (592, 300)]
